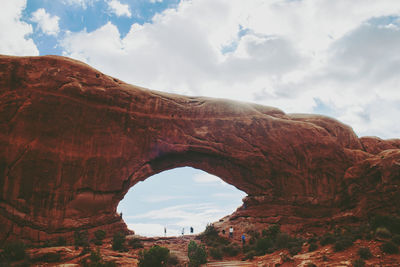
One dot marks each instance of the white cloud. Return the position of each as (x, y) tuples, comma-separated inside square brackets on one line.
[(152, 229), (179, 216), (162, 198), (286, 54), (155, 1), (119, 9), (47, 24), (14, 33), (206, 178), (79, 3)]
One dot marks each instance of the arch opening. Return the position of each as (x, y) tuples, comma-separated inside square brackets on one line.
[(178, 199)]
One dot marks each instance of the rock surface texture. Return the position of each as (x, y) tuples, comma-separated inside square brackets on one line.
[(73, 141)]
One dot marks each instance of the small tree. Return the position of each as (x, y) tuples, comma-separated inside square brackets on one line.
[(100, 234), (197, 254), (81, 239), (156, 256), (364, 253), (135, 243), (272, 231), (118, 241), (14, 251), (390, 248)]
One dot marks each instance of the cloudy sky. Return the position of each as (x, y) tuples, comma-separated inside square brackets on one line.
[(339, 58)]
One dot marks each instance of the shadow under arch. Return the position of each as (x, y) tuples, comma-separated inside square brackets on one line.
[(178, 198)]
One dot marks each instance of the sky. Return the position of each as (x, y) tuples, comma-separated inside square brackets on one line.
[(337, 58)]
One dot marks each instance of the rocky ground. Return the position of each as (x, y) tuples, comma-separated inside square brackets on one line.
[(323, 256)]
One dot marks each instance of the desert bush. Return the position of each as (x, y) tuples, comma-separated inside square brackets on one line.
[(364, 253), (96, 260), (396, 239), (390, 248), (342, 243), (49, 257), (211, 238), (253, 234), (100, 234), (392, 223), (215, 253), (358, 263), (156, 256), (272, 231), (14, 251), (231, 250), (118, 242), (312, 247), (81, 238), (61, 241), (383, 232), (249, 255), (135, 243), (294, 250), (282, 240), (210, 231), (263, 245), (197, 254), (172, 260), (327, 238)]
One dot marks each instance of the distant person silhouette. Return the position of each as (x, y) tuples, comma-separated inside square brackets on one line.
[(223, 231), (191, 229), (231, 232), (183, 231), (243, 239), (165, 231)]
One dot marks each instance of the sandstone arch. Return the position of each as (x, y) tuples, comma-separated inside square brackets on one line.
[(73, 141)]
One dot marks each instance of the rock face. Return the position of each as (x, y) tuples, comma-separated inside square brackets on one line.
[(73, 141)]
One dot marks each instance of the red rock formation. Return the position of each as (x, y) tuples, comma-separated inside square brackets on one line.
[(73, 141)]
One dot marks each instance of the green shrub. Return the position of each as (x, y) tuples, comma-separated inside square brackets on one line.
[(156, 256), (231, 250), (210, 231), (96, 260), (282, 240), (197, 254), (215, 253), (254, 234), (294, 250), (364, 253), (392, 223), (358, 263), (61, 241), (390, 248), (272, 231), (97, 242), (118, 242), (312, 247), (81, 238), (100, 234), (343, 243), (396, 239), (135, 243), (14, 251), (173, 260), (327, 239), (49, 257), (383, 232), (263, 245), (249, 255)]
